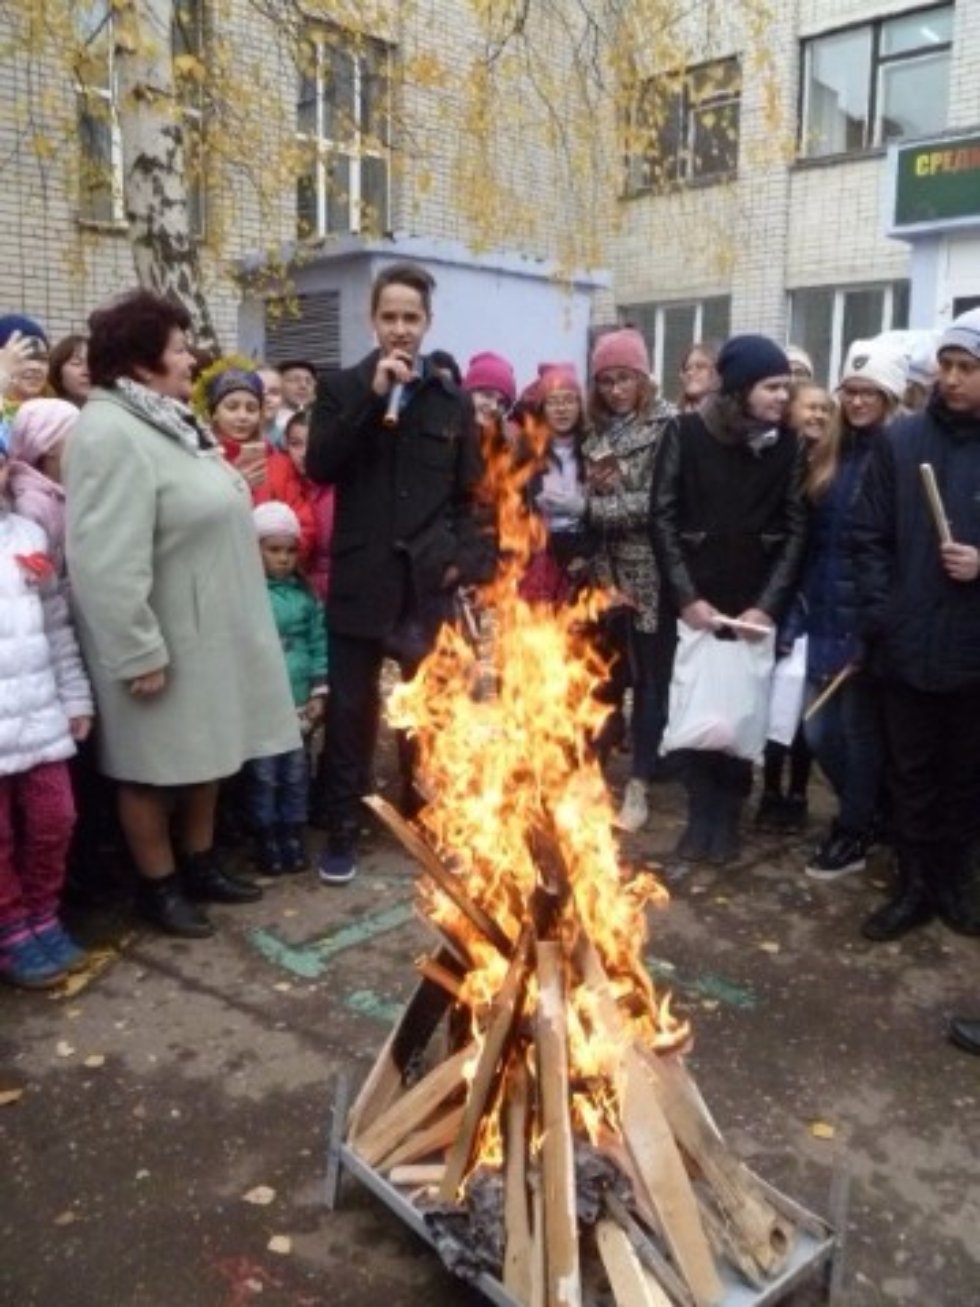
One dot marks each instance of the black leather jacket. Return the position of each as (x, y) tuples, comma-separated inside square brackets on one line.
[(728, 522)]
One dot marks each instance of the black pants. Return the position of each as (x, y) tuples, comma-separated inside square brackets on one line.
[(643, 660), (933, 764)]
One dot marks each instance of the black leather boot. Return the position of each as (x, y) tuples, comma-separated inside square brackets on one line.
[(164, 903), (205, 878), (955, 889), (910, 905), (696, 838), (726, 840)]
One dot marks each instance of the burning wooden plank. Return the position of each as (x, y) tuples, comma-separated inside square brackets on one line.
[(490, 1067), (519, 1255), (563, 1281), (410, 1111)]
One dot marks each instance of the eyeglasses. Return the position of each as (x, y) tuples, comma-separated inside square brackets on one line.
[(617, 380), (860, 396), (561, 401)]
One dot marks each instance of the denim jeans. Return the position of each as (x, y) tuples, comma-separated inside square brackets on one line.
[(846, 739), (277, 790)]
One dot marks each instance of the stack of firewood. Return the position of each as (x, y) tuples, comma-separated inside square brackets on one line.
[(685, 1212)]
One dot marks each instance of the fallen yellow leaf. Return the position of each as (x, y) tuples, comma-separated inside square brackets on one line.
[(8, 1096), (280, 1243), (769, 946), (261, 1195), (95, 1060), (66, 1218), (822, 1130), (64, 1049)]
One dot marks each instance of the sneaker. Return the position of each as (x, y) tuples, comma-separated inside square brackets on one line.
[(841, 854), (633, 815), (24, 963), (337, 866), (58, 945)]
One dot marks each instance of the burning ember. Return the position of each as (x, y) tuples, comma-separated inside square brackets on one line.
[(536, 1074)]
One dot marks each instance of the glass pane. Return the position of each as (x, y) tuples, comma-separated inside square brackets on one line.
[(661, 126), (837, 74), (716, 319), (714, 140), (864, 316), (374, 96), (811, 316), (306, 207), (339, 108), (338, 193), (306, 123), (96, 198), (187, 28), (374, 195), (901, 294), (913, 97), (679, 331), (93, 24), (917, 31)]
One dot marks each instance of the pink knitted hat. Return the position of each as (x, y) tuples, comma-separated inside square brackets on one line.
[(275, 519), (489, 371), (557, 376), (38, 427), (625, 348)]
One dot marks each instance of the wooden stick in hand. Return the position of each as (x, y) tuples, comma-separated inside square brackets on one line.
[(935, 501)]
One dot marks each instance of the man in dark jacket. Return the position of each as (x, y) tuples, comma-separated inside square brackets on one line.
[(398, 441), (922, 621)]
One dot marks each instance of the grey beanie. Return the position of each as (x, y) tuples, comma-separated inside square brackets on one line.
[(962, 333)]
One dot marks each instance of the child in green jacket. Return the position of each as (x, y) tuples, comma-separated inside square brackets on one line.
[(278, 787)]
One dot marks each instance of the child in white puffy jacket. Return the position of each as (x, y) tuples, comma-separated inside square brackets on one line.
[(45, 707)]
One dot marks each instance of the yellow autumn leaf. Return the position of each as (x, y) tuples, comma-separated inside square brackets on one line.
[(8, 1096), (822, 1130)]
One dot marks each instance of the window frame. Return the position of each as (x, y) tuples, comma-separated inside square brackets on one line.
[(679, 89), (109, 96), (838, 345), (658, 309), (193, 113), (877, 63), (325, 148)]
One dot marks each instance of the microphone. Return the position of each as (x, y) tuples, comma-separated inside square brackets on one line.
[(393, 407)]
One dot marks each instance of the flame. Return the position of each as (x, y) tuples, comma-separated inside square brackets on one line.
[(519, 804)]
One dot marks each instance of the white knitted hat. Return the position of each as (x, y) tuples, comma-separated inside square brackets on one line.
[(275, 519), (878, 364)]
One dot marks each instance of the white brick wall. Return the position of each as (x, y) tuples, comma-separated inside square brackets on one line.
[(780, 224)]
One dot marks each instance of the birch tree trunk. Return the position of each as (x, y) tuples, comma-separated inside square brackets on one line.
[(154, 177)]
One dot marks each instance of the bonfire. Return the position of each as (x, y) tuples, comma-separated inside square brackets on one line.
[(533, 1105)]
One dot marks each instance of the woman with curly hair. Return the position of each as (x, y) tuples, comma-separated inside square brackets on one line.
[(172, 610)]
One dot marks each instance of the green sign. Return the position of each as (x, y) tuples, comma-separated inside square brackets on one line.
[(938, 183)]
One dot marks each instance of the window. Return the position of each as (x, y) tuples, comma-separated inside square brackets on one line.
[(865, 86), (342, 119), (826, 319), (670, 328), (101, 162), (100, 158), (685, 128), (188, 43)]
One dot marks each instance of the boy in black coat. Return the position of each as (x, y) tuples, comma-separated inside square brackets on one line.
[(398, 441), (921, 600)]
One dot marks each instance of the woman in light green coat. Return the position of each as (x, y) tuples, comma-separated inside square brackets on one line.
[(171, 608)]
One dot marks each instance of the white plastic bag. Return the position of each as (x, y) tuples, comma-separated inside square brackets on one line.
[(786, 700), (719, 694)]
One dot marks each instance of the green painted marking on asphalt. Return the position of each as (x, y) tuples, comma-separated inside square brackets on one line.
[(366, 1003), (309, 959), (705, 985)]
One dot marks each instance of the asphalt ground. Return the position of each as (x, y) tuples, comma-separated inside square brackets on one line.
[(184, 1076)]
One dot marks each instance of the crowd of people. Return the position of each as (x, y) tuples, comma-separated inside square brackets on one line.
[(206, 562)]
